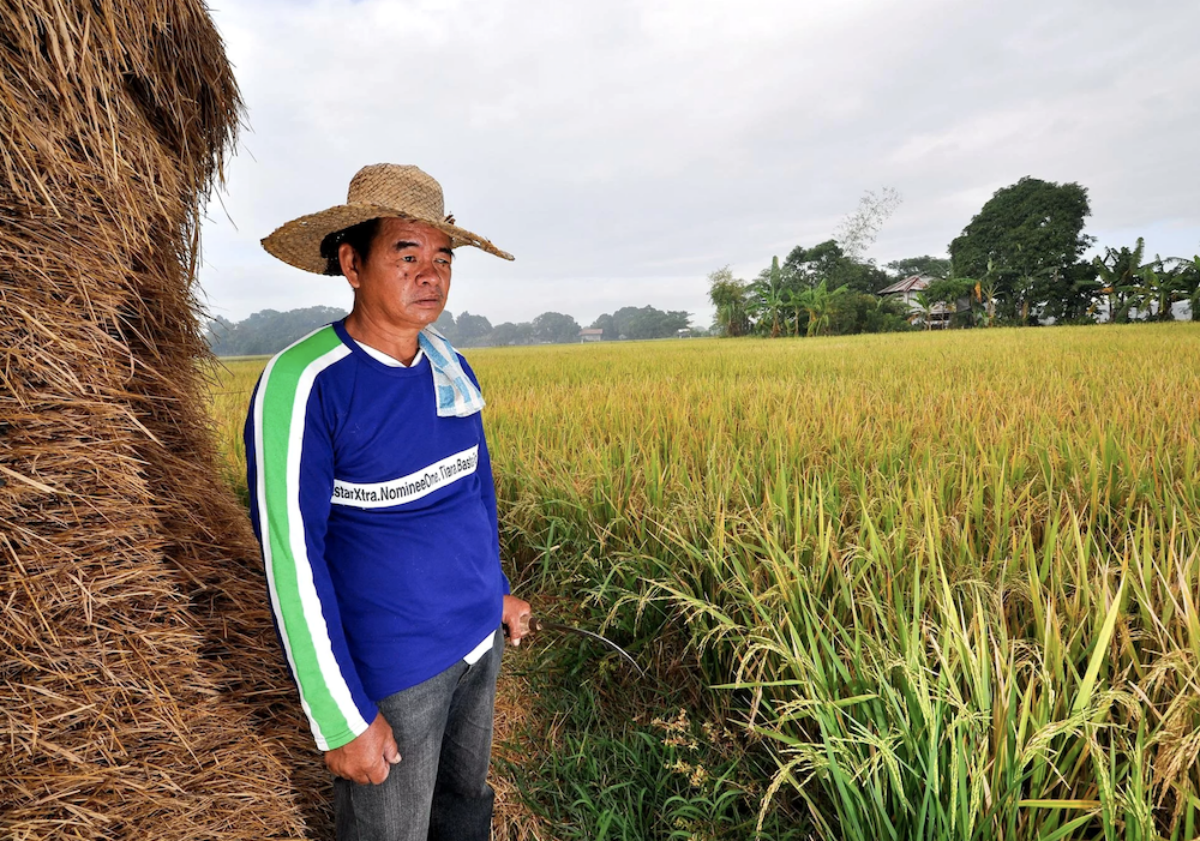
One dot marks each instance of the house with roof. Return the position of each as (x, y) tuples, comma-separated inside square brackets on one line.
[(907, 289), (591, 334)]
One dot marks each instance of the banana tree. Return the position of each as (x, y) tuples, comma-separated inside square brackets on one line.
[(987, 291), (926, 304), (1157, 292), (1117, 278), (794, 301), (767, 297), (1192, 273), (1169, 285), (1152, 291), (818, 302), (1185, 282)]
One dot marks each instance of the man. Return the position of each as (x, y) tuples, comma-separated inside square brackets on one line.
[(375, 508)]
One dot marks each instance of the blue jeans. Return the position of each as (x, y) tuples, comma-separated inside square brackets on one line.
[(439, 790)]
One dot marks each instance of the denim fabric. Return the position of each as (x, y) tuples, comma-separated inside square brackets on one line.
[(439, 790)]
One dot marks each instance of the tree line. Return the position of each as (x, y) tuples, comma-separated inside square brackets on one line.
[(1019, 261), (267, 331), (270, 331), (555, 328)]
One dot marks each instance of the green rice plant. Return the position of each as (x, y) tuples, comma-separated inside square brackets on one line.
[(591, 770), (951, 580), (233, 384)]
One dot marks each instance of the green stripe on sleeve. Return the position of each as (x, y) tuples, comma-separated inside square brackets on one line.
[(284, 401)]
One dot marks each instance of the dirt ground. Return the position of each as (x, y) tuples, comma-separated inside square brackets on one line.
[(513, 821)]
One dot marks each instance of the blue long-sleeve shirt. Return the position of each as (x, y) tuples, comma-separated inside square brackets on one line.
[(377, 520)]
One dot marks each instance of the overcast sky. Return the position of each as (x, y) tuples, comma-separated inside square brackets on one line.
[(625, 149)]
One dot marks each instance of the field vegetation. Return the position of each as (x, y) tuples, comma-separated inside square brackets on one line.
[(922, 585)]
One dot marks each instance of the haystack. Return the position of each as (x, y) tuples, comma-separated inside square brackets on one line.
[(137, 695)]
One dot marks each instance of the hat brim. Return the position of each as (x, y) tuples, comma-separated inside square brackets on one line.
[(298, 243)]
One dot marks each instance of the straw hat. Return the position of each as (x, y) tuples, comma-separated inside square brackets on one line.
[(379, 190)]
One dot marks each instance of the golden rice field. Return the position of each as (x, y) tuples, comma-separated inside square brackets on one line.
[(951, 579)]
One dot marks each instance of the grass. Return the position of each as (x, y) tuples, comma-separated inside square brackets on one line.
[(603, 758), (949, 581)]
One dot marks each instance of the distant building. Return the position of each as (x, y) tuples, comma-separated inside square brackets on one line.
[(591, 334), (907, 289)]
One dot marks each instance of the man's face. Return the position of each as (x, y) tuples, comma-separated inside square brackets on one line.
[(405, 279)]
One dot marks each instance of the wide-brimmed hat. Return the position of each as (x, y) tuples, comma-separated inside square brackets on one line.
[(379, 190)]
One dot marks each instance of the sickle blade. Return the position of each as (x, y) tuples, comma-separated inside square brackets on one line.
[(549, 625)]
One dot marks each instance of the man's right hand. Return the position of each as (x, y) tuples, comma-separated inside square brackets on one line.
[(369, 757)]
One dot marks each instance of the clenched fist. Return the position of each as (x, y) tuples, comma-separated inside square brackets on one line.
[(369, 757)]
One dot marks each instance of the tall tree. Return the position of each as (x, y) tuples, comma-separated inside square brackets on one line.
[(509, 333), (804, 268), (472, 329), (858, 231), (606, 323), (267, 331), (446, 326), (807, 267), (1032, 234), (728, 296), (555, 328), (649, 322), (925, 266)]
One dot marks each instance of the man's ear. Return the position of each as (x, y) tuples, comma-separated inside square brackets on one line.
[(350, 262)]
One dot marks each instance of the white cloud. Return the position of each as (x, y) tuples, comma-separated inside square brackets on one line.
[(624, 150)]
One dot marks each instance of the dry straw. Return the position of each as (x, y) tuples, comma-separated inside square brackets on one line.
[(135, 701)]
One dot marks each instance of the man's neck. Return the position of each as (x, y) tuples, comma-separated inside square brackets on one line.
[(397, 343)]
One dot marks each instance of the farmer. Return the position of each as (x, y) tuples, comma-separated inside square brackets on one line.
[(374, 504)]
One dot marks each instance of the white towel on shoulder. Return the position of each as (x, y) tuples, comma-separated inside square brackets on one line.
[(457, 396)]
